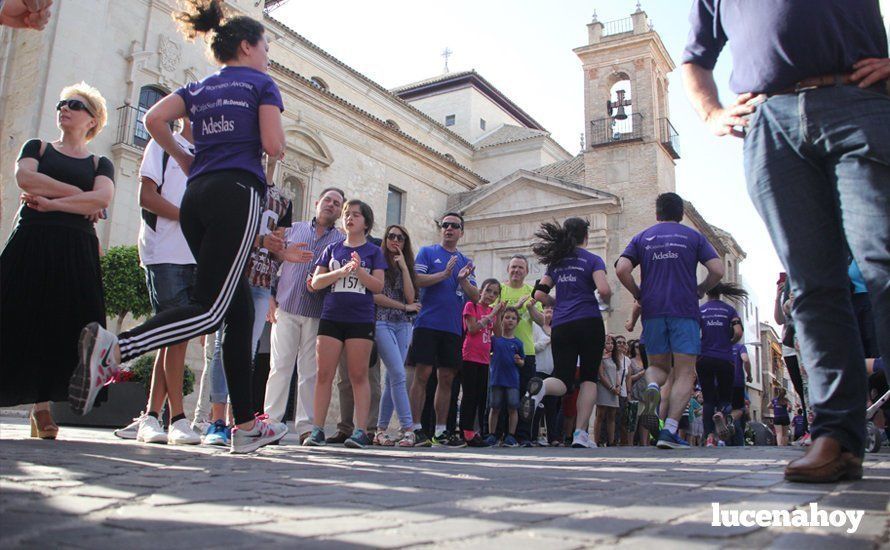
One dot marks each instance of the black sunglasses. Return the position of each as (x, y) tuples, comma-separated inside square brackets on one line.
[(74, 105), (451, 225), (396, 237)]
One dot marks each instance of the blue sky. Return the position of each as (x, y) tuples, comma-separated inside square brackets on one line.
[(524, 48)]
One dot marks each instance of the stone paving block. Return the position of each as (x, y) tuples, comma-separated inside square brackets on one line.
[(525, 541), (585, 529), (323, 527), (431, 532), (819, 541)]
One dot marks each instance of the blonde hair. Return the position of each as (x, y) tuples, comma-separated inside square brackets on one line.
[(94, 101)]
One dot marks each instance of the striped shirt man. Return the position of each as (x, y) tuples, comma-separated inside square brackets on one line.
[(291, 293)]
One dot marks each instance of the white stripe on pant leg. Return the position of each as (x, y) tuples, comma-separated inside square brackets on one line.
[(194, 326), (188, 328)]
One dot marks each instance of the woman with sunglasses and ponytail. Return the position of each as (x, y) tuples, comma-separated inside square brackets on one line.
[(52, 284), (578, 331), (236, 116)]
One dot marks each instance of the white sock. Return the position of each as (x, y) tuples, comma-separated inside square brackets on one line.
[(418, 426), (671, 425), (440, 428), (652, 385)]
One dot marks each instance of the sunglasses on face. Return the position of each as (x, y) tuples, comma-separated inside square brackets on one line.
[(396, 237), (451, 225), (74, 105)]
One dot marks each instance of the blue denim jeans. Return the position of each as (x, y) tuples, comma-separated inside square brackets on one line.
[(817, 165), (392, 346), (219, 390), (169, 285)]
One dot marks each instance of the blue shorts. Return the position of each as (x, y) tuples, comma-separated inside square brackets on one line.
[(671, 335), (498, 394), (169, 285)]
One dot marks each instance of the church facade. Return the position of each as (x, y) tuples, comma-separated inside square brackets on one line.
[(452, 142)]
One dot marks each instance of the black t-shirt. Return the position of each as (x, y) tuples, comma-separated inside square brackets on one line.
[(80, 173)]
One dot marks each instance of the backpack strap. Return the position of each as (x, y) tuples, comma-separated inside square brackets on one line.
[(164, 160)]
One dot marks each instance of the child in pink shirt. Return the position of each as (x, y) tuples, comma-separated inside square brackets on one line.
[(479, 320)]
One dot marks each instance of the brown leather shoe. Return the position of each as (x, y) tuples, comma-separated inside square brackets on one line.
[(337, 439), (824, 462)]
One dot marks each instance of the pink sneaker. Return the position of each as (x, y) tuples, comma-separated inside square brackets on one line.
[(96, 367), (263, 433)]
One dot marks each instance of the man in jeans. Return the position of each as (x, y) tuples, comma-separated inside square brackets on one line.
[(815, 115), (296, 311)]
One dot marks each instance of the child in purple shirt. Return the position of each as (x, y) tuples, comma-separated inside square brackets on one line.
[(351, 272)]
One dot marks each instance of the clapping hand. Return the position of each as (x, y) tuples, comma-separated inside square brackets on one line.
[(449, 267), (295, 253), (522, 301), (274, 242), (465, 272)]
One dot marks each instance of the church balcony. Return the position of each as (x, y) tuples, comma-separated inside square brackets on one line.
[(669, 138), (130, 130), (606, 131), (618, 26)]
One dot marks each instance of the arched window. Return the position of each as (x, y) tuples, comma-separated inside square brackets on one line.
[(392, 123), (450, 157), (148, 96), (293, 189), (621, 109), (319, 83)]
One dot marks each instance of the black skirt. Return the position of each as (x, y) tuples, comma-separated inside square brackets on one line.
[(50, 287)]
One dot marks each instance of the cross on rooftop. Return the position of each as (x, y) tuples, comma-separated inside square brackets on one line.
[(446, 53)]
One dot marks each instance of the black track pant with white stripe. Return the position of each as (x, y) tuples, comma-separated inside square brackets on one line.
[(219, 216)]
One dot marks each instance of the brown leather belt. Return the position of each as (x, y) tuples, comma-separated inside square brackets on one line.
[(816, 82)]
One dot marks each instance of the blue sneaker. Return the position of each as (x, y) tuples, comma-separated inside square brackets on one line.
[(667, 440), (218, 434), (315, 439), (491, 440), (510, 441), (358, 440)]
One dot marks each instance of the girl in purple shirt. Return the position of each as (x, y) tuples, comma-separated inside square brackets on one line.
[(578, 331), (351, 272), (236, 117)]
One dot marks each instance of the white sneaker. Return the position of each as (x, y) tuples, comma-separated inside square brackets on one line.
[(96, 367), (200, 426), (129, 431), (263, 433), (150, 431), (181, 433), (581, 440)]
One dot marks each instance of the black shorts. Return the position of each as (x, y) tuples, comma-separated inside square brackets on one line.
[(436, 348), (738, 398), (346, 331), (582, 339), (782, 421)]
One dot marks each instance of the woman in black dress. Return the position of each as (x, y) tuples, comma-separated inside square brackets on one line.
[(51, 282)]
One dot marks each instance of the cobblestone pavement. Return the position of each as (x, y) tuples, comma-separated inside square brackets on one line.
[(90, 490)]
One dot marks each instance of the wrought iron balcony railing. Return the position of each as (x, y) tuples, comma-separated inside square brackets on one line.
[(606, 131), (618, 26), (669, 137), (130, 130)]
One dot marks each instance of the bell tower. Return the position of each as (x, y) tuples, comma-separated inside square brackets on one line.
[(630, 145)]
